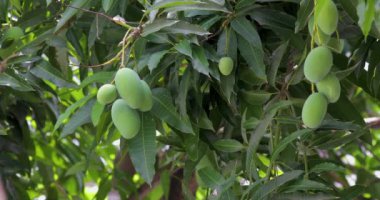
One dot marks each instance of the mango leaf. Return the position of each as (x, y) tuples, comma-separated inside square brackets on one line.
[(325, 167), (157, 25), (70, 12), (276, 59), (142, 148), (106, 4), (155, 58), (80, 117), (228, 145), (256, 97), (267, 188), (70, 110), (164, 109), (44, 70), (96, 113), (249, 44), (210, 177), (303, 14), (15, 83), (199, 61), (286, 141), (99, 77), (207, 6), (366, 13), (171, 3), (186, 28), (77, 167), (184, 47), (305, 185)]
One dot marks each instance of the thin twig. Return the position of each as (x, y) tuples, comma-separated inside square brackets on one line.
[(93, 12)]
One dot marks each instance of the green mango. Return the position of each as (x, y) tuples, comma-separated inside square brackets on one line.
[(328, 17), (330, 87), (318, 64), (320, 37), (314, 110), (125, 119), (129, 86), (226, 65), (106, 94), (147, 103)]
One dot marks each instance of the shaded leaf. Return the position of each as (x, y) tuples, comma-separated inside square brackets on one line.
[(155, 58), (228, 145), (142, 148), (267, 188), (164, 109), (156, 26), (70, 12)]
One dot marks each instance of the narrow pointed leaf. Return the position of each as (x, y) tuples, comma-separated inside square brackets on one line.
[(142, 148)]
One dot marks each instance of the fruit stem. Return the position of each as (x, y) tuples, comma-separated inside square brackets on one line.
[(312, 87)]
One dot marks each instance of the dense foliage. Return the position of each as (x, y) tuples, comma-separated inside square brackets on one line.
[(229, 130)]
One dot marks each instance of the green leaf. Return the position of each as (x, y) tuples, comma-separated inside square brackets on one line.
[(260, 131), (276, 59), (267, 188), (325, 167), (286, 141), (305, 185), (70, 12), (10, 81), (164, 109), (207, 6), (44, 70), (96, 113), (155, 58), (171, 3), (80, 117), (210, 177), (70, 110), (366, 13), (253, 56), (258, 97), (184, 47), (77, 167), (186, 28), (199, 61), (142, 148), (106, 4), (303, 14), (156, 26), (228, 145), (254, 142), (98, 77)]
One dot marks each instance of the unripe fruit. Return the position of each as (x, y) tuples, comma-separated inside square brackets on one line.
[(314, 110), (14, 33), (226, 65), (318, 64), (126, 120), (129, 86), (328, 17), (147, 102), (320, 37), (106, 94), (330, 87)]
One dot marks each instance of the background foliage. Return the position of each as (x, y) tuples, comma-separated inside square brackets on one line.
[(208, 135)]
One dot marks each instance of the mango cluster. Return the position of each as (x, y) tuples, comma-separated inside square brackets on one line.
[(317, 69), (318, 65), (135, 96)]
